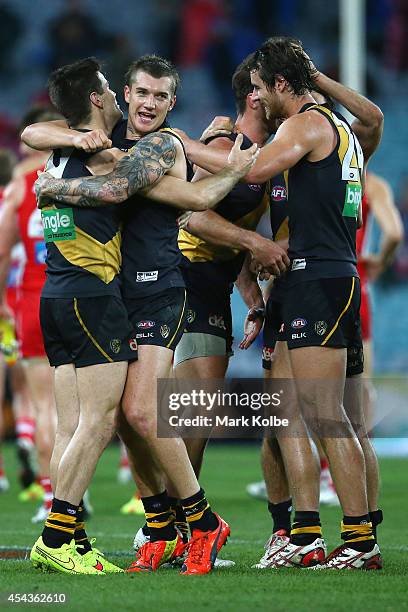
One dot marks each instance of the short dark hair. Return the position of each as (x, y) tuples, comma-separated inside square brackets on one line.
[(37, 113), (284, 56), (156, 66), (70, 86), (241, 82), (8, 160)]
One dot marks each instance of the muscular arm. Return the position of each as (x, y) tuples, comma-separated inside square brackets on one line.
[(369, 122), (248, 286), (47, 135), (381, 202), (144, 165)]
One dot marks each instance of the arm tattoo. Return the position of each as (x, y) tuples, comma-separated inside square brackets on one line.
[(145, 164)]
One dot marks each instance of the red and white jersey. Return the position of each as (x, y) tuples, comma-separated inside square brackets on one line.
[(32, 236), (17, 260), (361, 239)]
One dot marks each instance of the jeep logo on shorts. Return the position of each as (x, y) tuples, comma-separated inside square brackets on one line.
[(115, 345), (58, 224)]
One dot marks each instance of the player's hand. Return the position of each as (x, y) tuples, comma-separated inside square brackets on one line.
[(5, 311), (268, 257), (242, 160), (252, 326), (219, 126), (40, 188), (93, 141), (183, 220), (373, 266)]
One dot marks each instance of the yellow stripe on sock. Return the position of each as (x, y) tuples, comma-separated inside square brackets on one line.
[(63, 518), (59, 527), (315, 529), (159, 525), (196, 517)]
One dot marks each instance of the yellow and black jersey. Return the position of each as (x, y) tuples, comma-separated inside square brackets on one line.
[(324, 199), (151, 257), (243, 206), (83, 244)]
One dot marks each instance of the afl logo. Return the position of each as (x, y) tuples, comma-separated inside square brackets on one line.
[(298, 323), (278, 193), (146, 324)]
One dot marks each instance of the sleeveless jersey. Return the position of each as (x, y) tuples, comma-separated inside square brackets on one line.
[(151, 257), (278, 210), (324, 198), (32, 237), (243, 206), (83, 244)]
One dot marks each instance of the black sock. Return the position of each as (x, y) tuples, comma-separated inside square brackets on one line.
[(180, 521), (60, 524), (357, 532), (159, 517), (198, 512), (281, 515), (146, 530), (80, 534), (376, 518), (306, 528)]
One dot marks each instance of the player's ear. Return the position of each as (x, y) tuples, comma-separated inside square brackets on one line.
[(280, 83), (254, 104), (96, 99), (126, 93), (172, 103)]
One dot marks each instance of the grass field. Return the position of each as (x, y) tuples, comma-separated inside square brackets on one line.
[(227, 470)]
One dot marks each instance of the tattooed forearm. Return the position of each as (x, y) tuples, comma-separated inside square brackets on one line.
[(145, 164)]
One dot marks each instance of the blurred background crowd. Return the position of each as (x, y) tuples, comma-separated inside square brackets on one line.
[(206, 39)]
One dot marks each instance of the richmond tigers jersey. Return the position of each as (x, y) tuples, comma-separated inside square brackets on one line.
[(243, 206), (151, 257), (83, 244), (324, 199)]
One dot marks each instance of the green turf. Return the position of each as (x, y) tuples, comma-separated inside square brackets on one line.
[(227, 470)]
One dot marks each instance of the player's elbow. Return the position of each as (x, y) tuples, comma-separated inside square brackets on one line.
[(28, 136), (377, 118), (396, 236)]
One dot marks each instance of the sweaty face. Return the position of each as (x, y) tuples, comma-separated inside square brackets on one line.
[(267, 98), (149, 100), (111, 108)]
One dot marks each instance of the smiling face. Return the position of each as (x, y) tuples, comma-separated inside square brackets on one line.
[(149, 99), (269, 98)]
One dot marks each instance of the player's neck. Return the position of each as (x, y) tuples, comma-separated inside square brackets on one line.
[(96, 122), (252, 127), (293, 104)]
